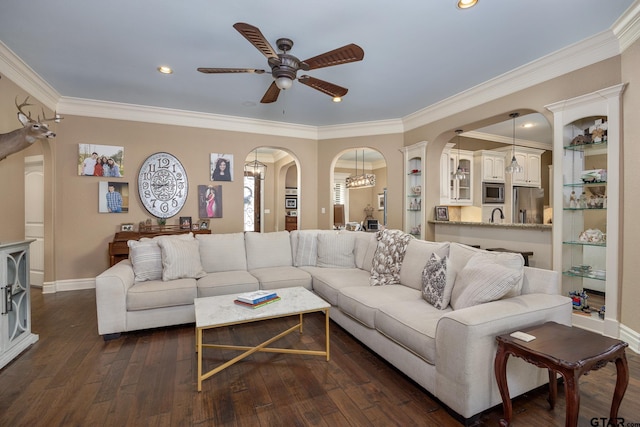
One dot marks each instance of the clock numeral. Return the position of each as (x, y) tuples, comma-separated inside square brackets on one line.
[(178, 174), (145, 185), (174, 203), (148, 175), (164, 207), (164, 163), (152, 169)]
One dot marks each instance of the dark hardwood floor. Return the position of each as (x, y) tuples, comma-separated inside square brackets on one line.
[(71, 377)]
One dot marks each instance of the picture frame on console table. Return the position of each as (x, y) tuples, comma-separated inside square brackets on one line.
[(291, 202), (442, 213), (185, 222)]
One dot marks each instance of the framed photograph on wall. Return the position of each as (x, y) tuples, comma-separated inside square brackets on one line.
[(381, 201), (291, 202), (442, 213), (221, 167), (210, 201), (113, 197), (100, 160)]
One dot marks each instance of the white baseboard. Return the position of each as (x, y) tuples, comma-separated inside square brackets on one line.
[(68, 285), (630, 336)]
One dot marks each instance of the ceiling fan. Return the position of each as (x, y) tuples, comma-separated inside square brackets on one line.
[(285, 66)]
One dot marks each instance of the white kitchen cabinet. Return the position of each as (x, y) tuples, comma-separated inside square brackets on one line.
[(15, 315), (586, 200), (531, 161), (491, 165), (459, 192)]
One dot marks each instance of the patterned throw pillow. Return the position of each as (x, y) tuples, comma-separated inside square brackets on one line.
[(388, 257), (436, 285)]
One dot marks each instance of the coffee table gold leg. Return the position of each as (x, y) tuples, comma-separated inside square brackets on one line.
[(326, 326), (199, 350), (301, 323)]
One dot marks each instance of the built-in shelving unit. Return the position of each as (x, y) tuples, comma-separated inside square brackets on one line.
[(414, 185), (586, 217)]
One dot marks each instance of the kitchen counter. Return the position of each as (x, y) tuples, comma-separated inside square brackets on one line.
[(495, 224), (523, 238)]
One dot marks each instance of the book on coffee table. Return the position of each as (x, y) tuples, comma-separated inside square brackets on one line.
[(256, 297), (258, 305)]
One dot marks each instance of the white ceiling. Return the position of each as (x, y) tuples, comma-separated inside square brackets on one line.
[(417, 53)]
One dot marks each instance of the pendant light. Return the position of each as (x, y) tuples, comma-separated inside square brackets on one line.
[(364, 180), (514, 167), (459, 174), (256, 168)]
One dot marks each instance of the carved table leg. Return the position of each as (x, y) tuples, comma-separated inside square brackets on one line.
[(572, 395), (622, 380), (500, 368), (553, 389)]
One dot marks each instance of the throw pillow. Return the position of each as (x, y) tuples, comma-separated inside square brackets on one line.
[(436, 283), (146, 259), (336, 250), (388, 257), (180, 259), (482, 280), (307, 249)]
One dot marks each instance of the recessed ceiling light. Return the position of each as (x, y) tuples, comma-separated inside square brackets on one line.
[(528, 125), (466, 4), (165, 69)]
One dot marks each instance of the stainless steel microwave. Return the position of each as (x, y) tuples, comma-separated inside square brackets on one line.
[(493, 192)]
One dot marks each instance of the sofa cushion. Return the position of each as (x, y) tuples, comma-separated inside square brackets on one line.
[(336, 250), (306, 248), (416, 256), (222, 252), (412, 324), (281, 277), (158, 294), (460, 254), (146, 256), (388, 257), (481, 281), (327, 282), (437, 283), (268, 249), (180, 258), (365, 247), (226, 282), (362, 302)]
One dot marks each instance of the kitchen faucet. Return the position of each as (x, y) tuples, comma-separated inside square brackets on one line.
[(494, 211)]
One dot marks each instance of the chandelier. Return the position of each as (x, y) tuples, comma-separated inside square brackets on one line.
[(256, 168), (363, 180)]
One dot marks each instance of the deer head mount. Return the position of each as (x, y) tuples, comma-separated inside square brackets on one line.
[(31, 131)]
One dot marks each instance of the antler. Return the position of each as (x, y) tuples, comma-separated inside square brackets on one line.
[(56, 118), (24, 104)]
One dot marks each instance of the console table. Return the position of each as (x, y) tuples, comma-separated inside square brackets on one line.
[(567, 351), (119, 250)]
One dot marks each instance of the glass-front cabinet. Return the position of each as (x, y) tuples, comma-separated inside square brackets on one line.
[(414, 185), (456, 192), (586, 217)]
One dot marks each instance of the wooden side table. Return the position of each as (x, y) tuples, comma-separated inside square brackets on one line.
[(568, 351)]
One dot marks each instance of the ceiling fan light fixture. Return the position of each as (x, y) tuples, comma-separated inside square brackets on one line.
[(337, 99), (466, 4), (284, 82)]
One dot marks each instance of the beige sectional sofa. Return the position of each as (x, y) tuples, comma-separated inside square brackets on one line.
[(447, 351)]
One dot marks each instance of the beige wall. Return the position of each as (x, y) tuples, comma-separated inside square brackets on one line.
[(630, 294), (77, 234)]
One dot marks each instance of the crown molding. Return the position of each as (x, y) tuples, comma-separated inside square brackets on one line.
[(169, 116), (15, 69), (589, 51), (507, 140), (627, 27), (350, 130)]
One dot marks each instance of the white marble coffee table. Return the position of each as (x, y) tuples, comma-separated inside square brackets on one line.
[(218, 311)]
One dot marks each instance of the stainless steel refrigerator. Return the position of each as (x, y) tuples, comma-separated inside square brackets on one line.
[(528, 205)]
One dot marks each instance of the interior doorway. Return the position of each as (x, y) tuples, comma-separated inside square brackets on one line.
[(34, 215)]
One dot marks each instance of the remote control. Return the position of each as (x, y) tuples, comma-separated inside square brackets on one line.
[(523, 336)]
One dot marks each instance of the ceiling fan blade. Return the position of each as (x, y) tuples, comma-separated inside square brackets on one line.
[(256, 38), (342, 55), (229, 70), (271, 95), (324, 87)]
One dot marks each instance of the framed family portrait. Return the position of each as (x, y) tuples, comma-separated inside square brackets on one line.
[(100, 160), (185, 222), (204, 224), (113, 197), (221, 167), (442, 213)]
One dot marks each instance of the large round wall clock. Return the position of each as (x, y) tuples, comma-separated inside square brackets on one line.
[(162, 185)]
